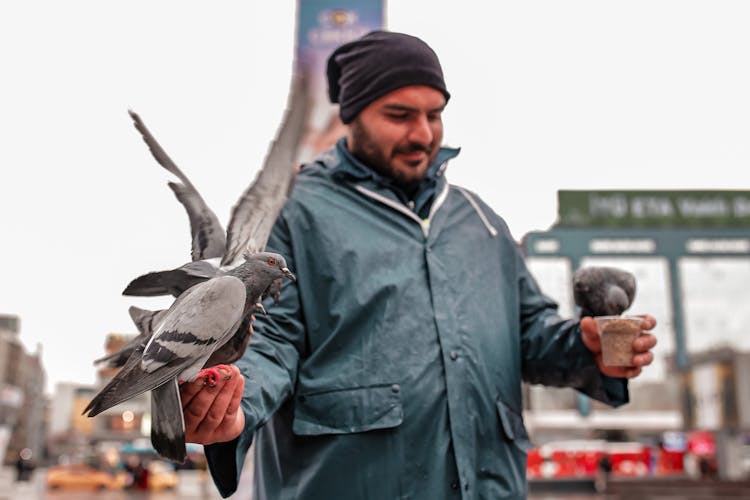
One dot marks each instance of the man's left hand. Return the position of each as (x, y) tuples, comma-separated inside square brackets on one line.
[(642, 346)]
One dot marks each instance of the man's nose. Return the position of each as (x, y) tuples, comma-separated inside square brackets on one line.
[(421, 132)]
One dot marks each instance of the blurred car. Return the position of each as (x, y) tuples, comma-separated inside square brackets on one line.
[(83, 476), (161, 476)]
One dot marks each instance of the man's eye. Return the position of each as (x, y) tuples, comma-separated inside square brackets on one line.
[(398, 116)]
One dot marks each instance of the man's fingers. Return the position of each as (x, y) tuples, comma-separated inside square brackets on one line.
[(621, 371), (220, 406), (196, 409), (213, 414), (642, 346), (590, 334), (234, 403), (189, 390), (632, 372), (648, 322), (644, 342), (643, 359)]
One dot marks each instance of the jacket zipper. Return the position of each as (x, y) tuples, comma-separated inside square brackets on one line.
[(423, 223)]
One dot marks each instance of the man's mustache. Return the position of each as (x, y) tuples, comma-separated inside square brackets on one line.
[(414, 147)]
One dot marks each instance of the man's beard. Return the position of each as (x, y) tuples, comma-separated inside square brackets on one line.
[(367, 151)]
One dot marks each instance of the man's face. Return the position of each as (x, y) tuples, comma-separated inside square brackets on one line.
[(399, 134)]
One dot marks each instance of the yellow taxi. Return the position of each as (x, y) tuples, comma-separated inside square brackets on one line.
[(83, 476), (161, 476)]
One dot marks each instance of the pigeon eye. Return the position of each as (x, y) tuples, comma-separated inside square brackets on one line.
[(271, 261)]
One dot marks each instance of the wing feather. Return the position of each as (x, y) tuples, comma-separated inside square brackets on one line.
[(255, 212), (208, 238)]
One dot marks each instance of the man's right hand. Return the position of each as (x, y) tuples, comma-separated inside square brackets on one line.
[(213, 413)]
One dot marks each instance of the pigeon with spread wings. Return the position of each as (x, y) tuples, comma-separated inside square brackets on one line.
[(192, 334), (249, 226), (252, 216)]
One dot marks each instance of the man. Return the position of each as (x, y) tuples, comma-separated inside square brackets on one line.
[(393, 367)]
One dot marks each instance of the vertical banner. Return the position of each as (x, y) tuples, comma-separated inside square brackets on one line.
[(323, 25)]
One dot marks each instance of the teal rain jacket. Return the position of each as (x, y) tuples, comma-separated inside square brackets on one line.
[(392, 369)]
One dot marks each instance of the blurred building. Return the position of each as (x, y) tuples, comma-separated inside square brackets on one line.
[(716, 400), (69, 431), (22, 399), (127, 421), (690, 254), (74, 436)]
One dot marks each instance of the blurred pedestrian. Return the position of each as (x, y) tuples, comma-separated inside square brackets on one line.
[(24, 465), (603, 471)]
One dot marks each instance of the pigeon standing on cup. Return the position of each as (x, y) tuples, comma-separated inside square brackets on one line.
[(603, 291), (208, 324)]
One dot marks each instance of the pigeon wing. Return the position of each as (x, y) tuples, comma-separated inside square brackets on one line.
[(195, 325), (255, 212), (173, 281), (146, 322), (109, 395), (120, 356), (208, 238)]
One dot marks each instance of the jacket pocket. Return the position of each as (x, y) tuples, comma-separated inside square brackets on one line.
[(512, 426), (346, 411)]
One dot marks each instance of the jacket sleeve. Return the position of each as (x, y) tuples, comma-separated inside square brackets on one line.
[(553, 352), (269, 366)]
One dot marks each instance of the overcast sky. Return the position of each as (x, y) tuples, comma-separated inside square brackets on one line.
[(547, 95)]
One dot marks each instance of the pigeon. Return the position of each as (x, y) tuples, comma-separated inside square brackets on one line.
[(207, 235), (216, 293), (252, 215), (603, 291), (192, 335)]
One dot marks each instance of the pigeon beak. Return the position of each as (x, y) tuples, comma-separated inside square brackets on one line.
[(288, 274)]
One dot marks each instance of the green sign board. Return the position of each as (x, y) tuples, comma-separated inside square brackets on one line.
[(634, 209)]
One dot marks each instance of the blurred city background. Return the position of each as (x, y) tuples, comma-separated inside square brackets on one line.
[(689, 414), (684, 434)]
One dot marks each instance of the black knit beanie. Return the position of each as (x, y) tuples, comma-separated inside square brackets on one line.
[(380, 62)]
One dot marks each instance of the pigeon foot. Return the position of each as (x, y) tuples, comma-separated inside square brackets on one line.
[(212, 375)]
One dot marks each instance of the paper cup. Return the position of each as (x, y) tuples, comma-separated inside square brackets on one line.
[(617, 334)]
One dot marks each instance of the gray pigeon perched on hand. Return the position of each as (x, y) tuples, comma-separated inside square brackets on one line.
[(193, 334), (190, 337), (208, 242), (603, 291)]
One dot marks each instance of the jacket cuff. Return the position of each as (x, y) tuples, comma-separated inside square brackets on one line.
[(593, 383), (226, 460), (608, 390), (222, 464)]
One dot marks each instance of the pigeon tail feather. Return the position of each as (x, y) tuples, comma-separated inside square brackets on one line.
[(168, 422)]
